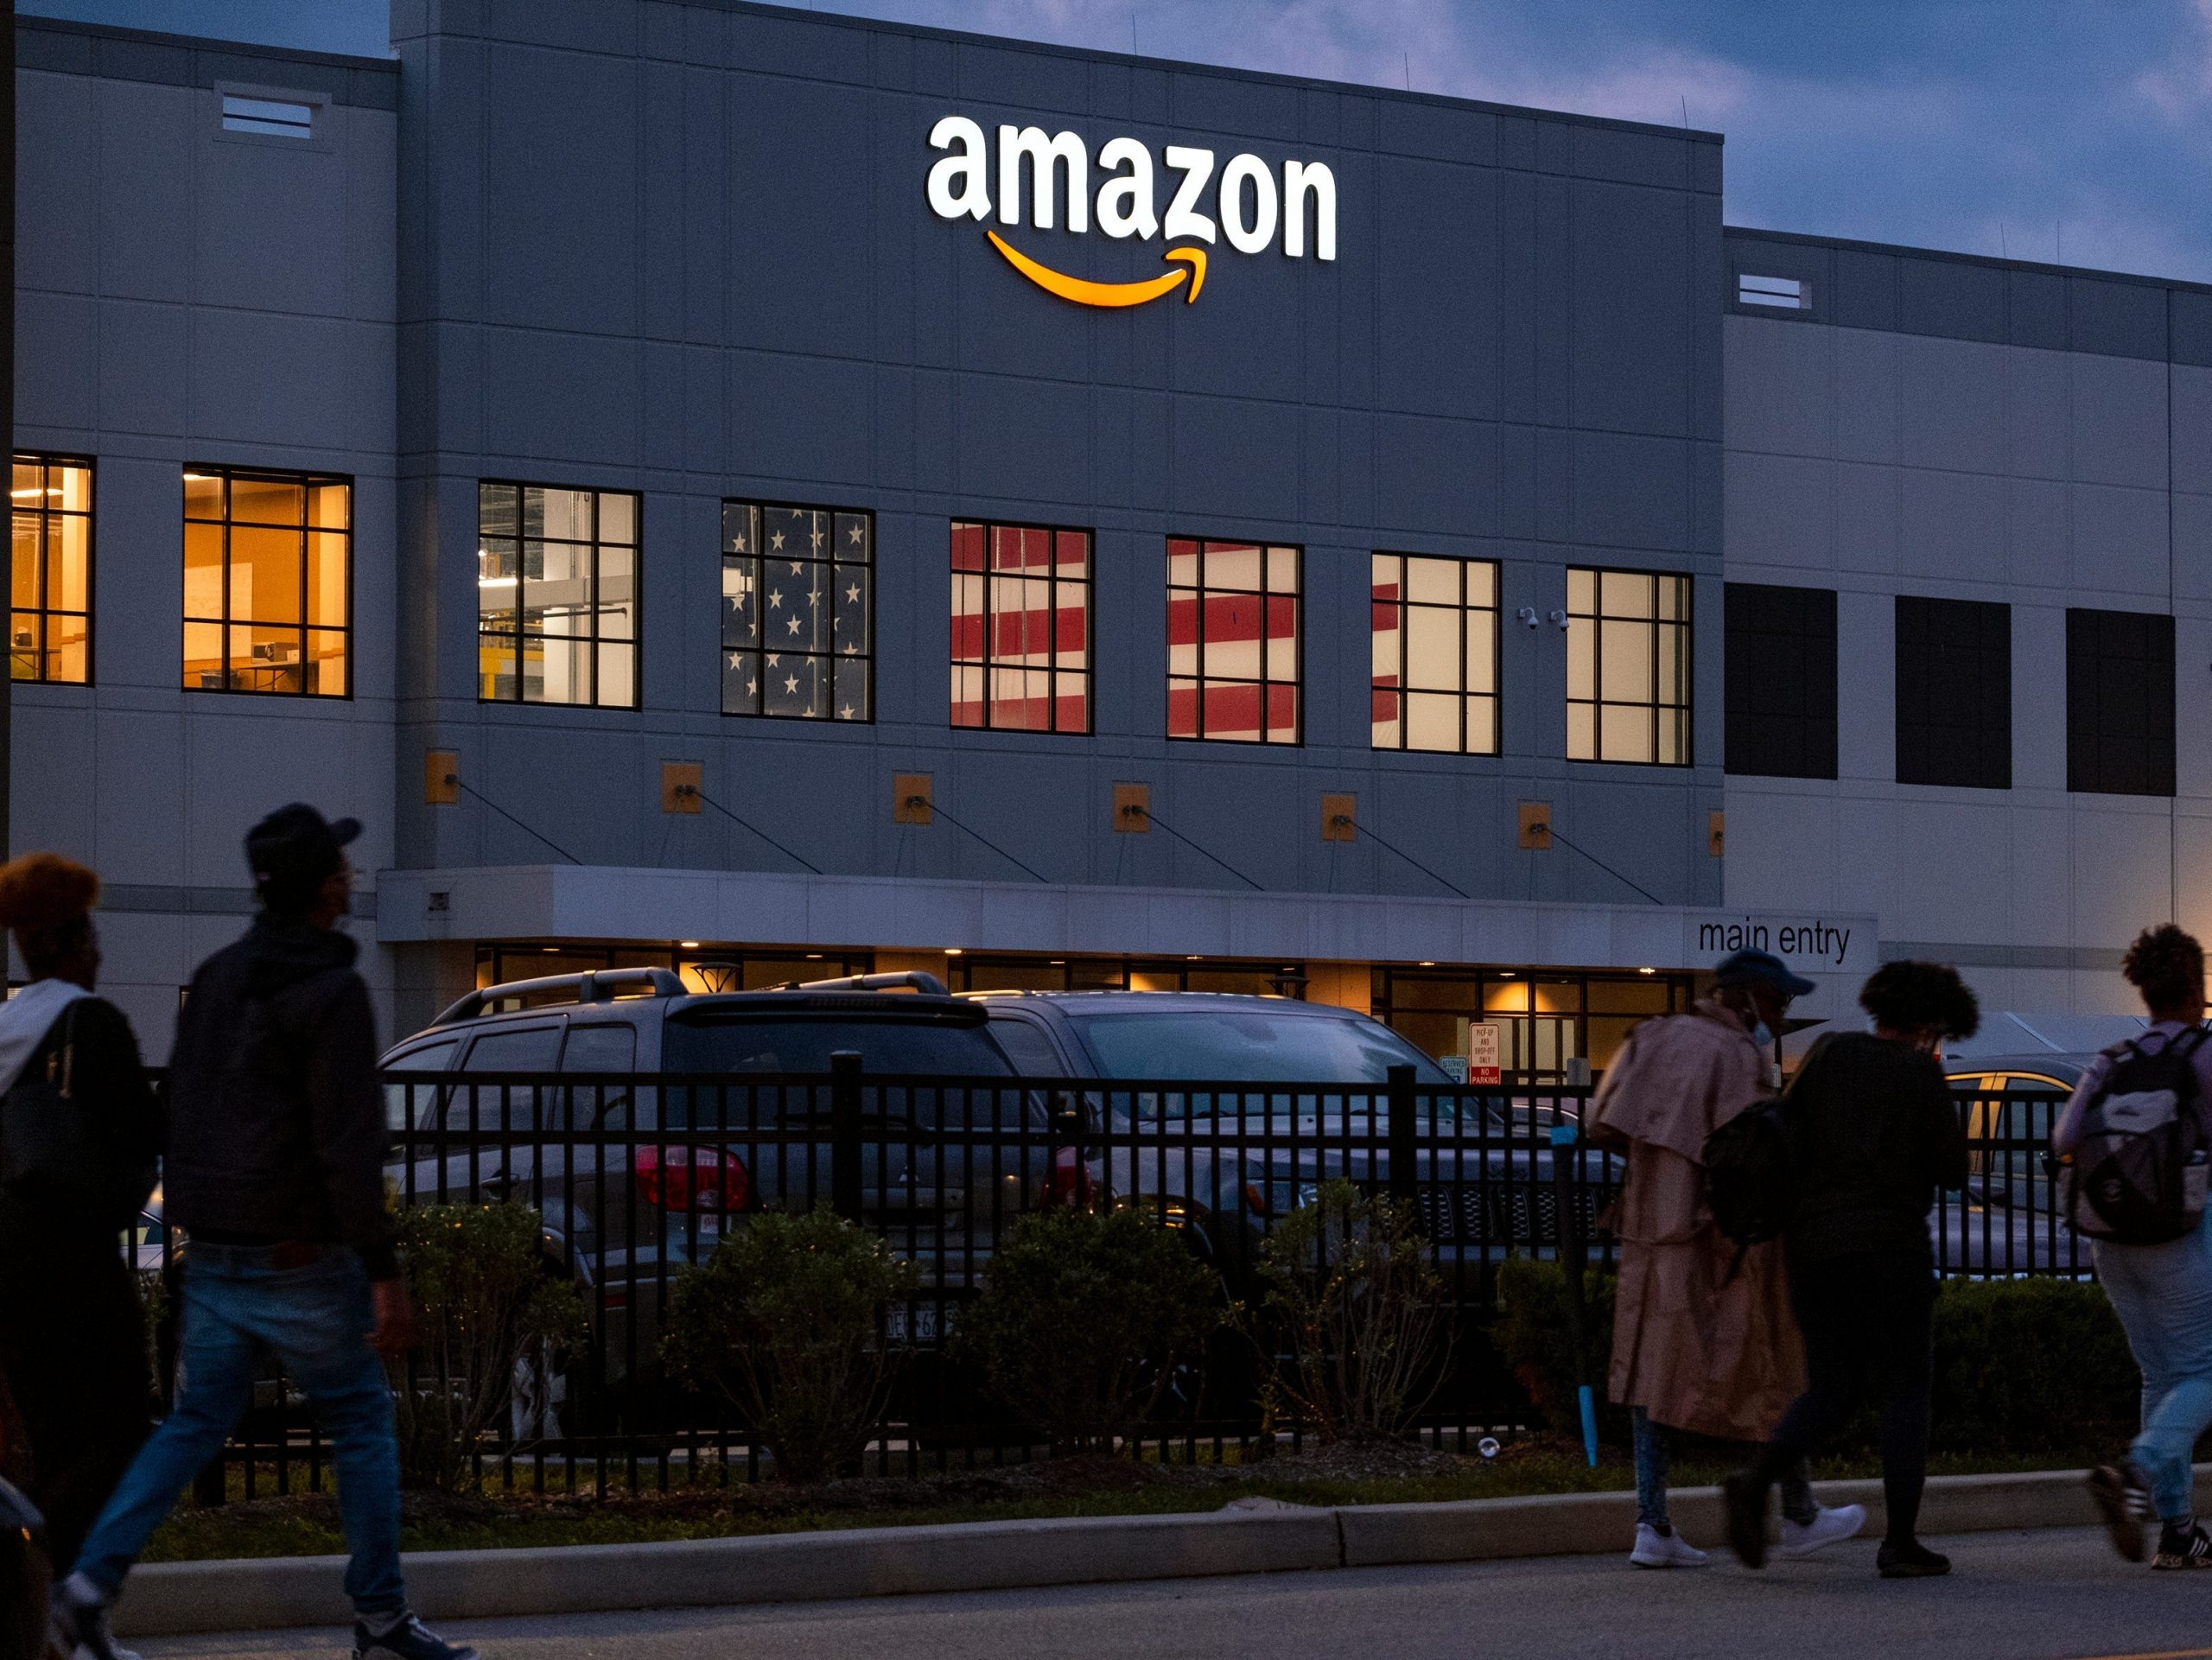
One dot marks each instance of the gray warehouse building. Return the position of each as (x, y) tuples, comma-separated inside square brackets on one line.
[(769, 495)]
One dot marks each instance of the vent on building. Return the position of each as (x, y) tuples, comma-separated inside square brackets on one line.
[(1790, 292), (272, 116)]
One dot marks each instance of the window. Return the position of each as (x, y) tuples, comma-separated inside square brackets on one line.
[(1628, 667), (1435, 671), (1781, 676), (798, 640), (268, 581), (272, 117), (1020, 627), (1954, 693), (50, 626), (1790, 293), (2120, 703), (1233, 668), (556, 596)]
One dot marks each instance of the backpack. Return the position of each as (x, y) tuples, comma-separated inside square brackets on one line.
[(61, 1154), (1750, 1186), (2138, 1177)]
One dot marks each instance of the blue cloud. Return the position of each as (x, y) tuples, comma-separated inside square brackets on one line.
[(2033, 127)]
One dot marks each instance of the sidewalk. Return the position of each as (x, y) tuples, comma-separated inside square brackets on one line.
[(1250, 1536)]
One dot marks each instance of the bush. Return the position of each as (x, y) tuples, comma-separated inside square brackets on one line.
[(1349, 1293), (785, 1323), (2021, 1366), (1535, 1334), (487, 1315), (1083, 1319)]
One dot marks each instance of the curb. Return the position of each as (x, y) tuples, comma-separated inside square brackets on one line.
[(1249, 1536)]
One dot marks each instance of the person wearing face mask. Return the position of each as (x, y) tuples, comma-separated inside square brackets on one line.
[(1703, 1340), (1873, 1133)]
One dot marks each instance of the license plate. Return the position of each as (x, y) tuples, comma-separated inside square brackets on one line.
[(919, 1324)]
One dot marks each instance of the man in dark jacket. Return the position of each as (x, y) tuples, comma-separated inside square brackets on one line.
[(275, 1169)]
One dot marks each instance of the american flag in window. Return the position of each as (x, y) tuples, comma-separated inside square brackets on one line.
[(1020, 627), (798, 586), (1233, 668)]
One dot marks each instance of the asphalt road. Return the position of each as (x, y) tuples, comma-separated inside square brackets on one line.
[(2048, 1595)]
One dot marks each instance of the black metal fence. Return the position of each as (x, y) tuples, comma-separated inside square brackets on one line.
[(638, 1176)]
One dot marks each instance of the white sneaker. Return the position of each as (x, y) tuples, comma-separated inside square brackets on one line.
[(1804, 1538), (1658, 1550)]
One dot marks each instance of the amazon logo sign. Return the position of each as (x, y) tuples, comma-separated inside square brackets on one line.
[(1248, 203)]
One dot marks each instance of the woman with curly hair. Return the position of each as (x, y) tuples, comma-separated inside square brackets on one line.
[(1873, 1134), (2163, 1293), (78, 1137)]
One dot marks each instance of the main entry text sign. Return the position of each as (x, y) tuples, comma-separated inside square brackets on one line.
[(1188, 196)]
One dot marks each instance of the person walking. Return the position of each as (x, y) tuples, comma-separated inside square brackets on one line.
[(1873, 1133), (78, 1136), (275, 1170), (2162, 1292), (1703, 1341)]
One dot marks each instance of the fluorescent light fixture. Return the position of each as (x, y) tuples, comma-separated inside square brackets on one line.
[(952, 950), (689, 944)]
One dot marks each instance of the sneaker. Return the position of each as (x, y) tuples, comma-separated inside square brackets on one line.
[(1746, 1499), (1826, 1527), (2179, 1547), (409, 1640), (77, 1617), (1911, 1561), (1668, 1549), (2124, 1501)]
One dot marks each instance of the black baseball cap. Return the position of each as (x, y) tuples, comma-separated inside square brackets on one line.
[(296, 847), (1760, 968)]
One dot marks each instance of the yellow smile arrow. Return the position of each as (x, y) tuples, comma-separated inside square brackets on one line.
[(1085, 293)]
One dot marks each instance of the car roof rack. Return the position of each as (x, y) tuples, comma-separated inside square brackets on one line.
[(910, 979), (597, 986)]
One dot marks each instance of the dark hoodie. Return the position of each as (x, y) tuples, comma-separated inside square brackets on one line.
[(276, 1126)]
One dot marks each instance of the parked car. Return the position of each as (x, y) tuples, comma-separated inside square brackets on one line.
[(2009, 1218), (1227, 1156), (634, 1180)]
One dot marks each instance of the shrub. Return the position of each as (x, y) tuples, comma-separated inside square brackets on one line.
[(1350, 1293), (1535, 1334), (1083, 1319), (487, 1313), (785, 1323), (2021, 1366)]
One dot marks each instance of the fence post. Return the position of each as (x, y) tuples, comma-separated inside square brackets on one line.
[(845, 1134), (1405, 1187)]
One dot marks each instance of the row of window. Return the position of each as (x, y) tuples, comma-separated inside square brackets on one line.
[(267, 609), (1954, 669)]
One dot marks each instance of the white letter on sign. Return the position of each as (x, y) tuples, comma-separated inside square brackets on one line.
[(1183, 218), (1017, 143), (1248, 237), (1125, 205), (1300, 180), (959, 184)]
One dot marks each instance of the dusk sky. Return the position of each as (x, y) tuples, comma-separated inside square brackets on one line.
[(2040, 128)]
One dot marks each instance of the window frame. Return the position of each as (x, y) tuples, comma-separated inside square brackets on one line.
[(867, 658), (1087, 674), (2089, 735), (1199, 679), (1737, 709), (1911, 757), (1464, 612), (595, 640), (44, 459), (1597, 701), (307, 482)]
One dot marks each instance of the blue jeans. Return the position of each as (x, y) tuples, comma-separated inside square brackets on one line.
[(1651, 1443), (315, 1319), (2163, 1294)]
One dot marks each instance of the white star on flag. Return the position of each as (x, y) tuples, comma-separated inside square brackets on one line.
[(779, 541), (791, 682)]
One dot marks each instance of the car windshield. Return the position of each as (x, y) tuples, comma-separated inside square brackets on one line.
[(1255, 1046)]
